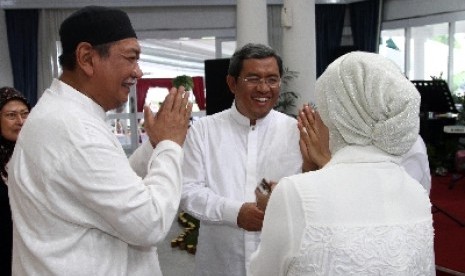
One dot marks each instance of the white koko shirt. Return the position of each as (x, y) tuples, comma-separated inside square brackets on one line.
[(361, 214), (416, 163), (225, 159), (78, 206)]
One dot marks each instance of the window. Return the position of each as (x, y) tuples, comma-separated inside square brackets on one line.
[(429, 52), (457, 84), (428, 47), (392, 46)]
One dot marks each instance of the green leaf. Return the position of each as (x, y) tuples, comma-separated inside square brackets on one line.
[(185, 81)]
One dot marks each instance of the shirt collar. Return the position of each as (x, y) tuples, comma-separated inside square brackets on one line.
[(244, 121), (67, 91), (363, 154)]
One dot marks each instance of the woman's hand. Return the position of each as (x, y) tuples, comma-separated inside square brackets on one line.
[(314, 139)]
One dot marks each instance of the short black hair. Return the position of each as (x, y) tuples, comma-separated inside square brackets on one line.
[(68, 60), (255, 51)]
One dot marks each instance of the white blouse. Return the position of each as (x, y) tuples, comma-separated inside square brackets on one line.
[(361, 214)]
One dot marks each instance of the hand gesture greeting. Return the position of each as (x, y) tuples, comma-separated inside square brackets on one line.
[(314, 139), (172, 119)]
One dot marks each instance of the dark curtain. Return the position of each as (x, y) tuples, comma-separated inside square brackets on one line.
[(329, 23), (364, 21), (22, 31)]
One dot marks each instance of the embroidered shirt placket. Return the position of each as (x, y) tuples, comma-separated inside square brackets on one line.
[(251, 183)]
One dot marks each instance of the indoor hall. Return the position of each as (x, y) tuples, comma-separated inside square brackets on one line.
[(424, 38)]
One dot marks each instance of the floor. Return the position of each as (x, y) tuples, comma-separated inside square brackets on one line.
[(174, 262), (448, 216)]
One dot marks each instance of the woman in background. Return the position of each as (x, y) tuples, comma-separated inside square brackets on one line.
[(361, 214), (14, 109)]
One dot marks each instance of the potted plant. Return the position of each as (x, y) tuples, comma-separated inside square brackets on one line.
[(185, 81), (287, 98)]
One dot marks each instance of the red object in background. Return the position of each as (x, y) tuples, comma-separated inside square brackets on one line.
[(449, 237), (143, 86), (460, 161)]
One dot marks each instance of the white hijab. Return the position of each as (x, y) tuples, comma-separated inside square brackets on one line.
[(364, 99)]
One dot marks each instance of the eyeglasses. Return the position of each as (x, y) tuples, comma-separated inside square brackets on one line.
[(14, 115), (272, 82)]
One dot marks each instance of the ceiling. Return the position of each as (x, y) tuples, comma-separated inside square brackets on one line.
[(167, 58), (40, 4), (336, 1)]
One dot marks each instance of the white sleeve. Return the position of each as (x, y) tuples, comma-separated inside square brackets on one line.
[(198, 199), (139, 159), (281, 234), (98, 181), (415, 163)]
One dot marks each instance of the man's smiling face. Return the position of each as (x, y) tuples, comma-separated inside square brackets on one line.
[(256, 100)]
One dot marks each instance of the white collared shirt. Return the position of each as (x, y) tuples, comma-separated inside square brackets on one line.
[(78, 206), (416, 163), (225, 159)]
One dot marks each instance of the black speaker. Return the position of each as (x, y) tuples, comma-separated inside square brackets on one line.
[(218, 95), (342, 50)]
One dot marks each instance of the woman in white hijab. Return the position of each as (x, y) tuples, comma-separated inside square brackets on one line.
[(361, 214)]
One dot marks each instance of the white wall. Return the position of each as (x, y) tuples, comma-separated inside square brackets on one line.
[(53, 4), (6, 75), (404, 9), (185, 21)]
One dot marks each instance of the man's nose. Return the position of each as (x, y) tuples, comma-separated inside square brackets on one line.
[(263, 86), (137, 72)]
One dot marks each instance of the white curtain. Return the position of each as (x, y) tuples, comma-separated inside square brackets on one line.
[(49, 26)]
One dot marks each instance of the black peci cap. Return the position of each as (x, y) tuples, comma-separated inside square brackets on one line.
[(95, 25)]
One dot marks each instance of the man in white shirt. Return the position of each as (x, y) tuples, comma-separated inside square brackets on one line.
[(78, 206), (227, 155), (416, 164)]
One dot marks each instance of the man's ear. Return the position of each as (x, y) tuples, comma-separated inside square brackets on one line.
[(231, 81), (84, 58)]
